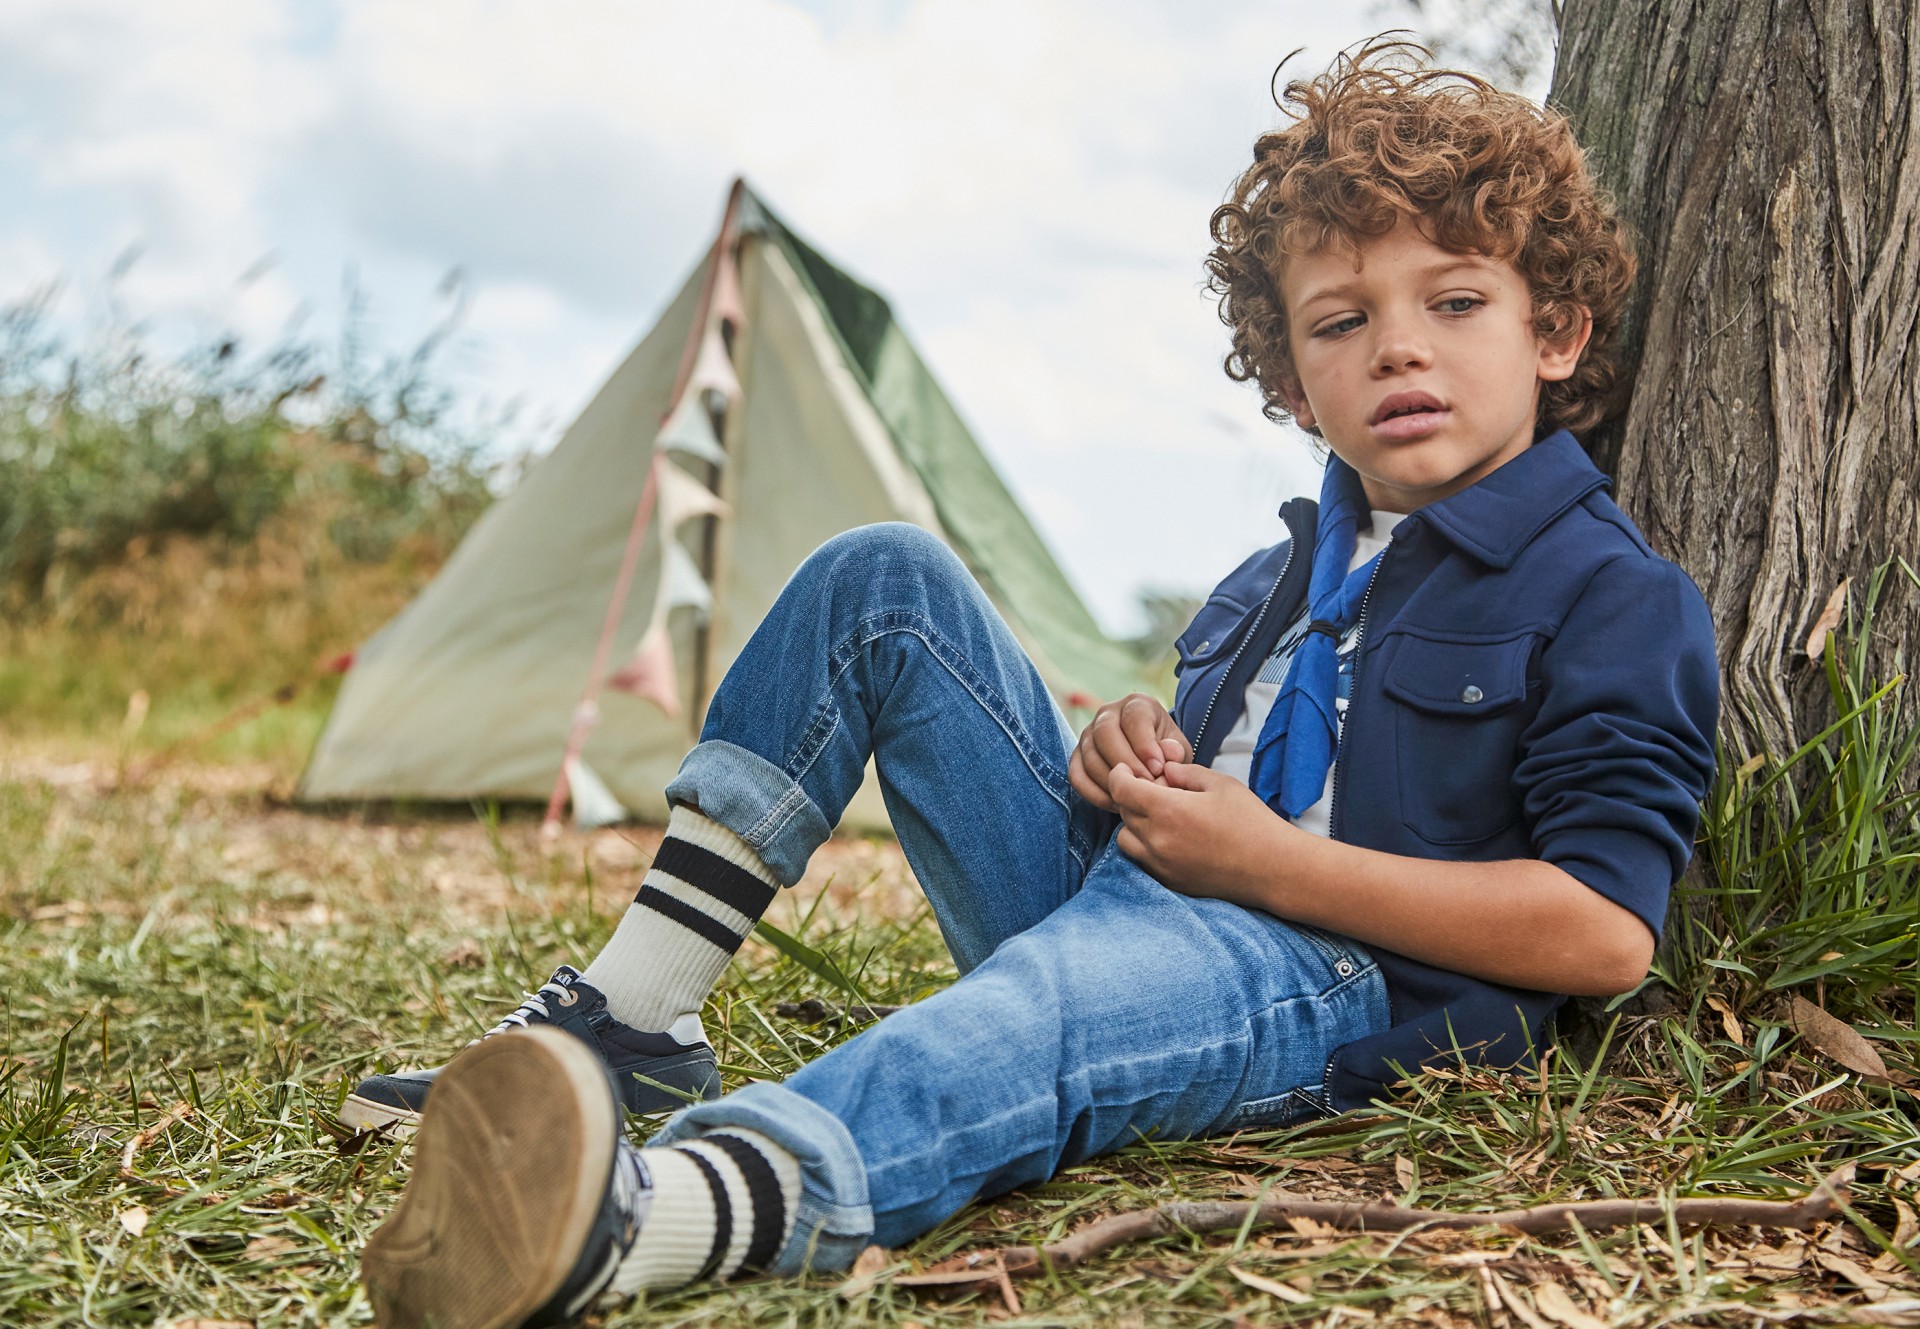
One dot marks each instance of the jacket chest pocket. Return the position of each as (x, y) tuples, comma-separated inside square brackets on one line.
[(1208, 642), (1462, 706)]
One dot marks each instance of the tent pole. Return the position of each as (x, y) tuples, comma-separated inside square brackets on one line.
[(587, 712)]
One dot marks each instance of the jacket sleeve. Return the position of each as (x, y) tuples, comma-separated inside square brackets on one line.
[(1615, 763)]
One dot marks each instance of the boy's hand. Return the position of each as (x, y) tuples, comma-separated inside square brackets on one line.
[(1200, 832), (1136, 733)]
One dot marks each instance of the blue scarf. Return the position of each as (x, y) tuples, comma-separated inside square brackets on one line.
[(1296, 745)]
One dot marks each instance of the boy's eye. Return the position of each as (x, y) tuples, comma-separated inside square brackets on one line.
[(1461, 304), (1338, 326)]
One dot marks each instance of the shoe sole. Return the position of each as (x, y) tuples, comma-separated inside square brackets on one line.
[(363, 1114), (510, 1169), (367, 1114)]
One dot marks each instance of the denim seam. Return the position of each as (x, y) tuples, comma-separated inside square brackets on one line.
[(775, 819), (888, 622)]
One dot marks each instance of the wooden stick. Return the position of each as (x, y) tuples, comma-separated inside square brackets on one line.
[(179, 1112), (986, 1269)]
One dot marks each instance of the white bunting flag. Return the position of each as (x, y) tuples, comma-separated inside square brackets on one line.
[(713, 371), (683, 498), (690, 430)]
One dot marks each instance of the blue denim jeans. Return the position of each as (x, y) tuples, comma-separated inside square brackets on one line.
[(1095, 1007)]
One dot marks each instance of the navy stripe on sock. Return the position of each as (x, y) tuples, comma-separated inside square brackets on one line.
[(729, 883), (705, 925), (722, 1215), (763, 1194)]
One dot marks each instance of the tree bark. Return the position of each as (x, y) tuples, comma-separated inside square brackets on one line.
[(1764, 152)]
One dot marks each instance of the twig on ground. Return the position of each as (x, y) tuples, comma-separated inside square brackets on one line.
[(987, 1269), (172, 1117)]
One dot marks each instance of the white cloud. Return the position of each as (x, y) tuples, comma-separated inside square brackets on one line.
[(1028, 181)]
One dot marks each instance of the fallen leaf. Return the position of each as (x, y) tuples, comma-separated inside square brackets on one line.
[(1727, 1021), (466, 954), (1872, 1287), (134, 1219), (1515, 1304), (1405, 1172), (866, 1272), (1307, 1227), (1837, 1040), (1829, 620), (1292, 1296), (1552, 1301), (265, 1248)]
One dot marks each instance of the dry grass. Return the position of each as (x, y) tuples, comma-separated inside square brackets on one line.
[(195, 943)]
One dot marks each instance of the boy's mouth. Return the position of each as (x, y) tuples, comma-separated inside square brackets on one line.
[(1405, 403), (1407, 415)]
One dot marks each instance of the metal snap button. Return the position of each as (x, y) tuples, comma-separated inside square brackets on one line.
[(1344, 968), (1471, 694)]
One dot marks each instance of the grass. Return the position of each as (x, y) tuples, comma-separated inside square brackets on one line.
[(190, 944)]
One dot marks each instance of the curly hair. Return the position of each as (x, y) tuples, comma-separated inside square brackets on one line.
[(1381, 136)]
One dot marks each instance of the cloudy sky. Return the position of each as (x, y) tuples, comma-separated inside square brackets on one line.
[(1028, 180)]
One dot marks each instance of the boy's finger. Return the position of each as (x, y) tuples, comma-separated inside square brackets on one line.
[(1131, 793), (1111, 742), (1140, 722), (1084, 785)]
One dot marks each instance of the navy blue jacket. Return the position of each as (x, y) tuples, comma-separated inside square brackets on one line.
[(1531, 681)]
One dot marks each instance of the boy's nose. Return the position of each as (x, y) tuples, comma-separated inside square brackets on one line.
[(1399, 346)]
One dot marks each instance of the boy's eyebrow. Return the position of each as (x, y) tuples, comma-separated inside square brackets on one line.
[(1340, 290)]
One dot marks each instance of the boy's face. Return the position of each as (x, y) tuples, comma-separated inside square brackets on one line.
[(1421, 368)]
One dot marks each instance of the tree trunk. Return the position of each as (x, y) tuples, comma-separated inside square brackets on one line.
[(1765, 154)]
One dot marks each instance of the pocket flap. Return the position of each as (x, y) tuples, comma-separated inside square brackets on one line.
[(1214, 630), (1464, 678)]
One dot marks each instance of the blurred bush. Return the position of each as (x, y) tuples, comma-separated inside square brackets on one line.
[(204, 524)]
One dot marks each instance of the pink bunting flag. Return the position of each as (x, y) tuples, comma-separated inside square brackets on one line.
[(728, 306), (650, 674)]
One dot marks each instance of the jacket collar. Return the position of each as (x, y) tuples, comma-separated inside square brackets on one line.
[(1496, 518)]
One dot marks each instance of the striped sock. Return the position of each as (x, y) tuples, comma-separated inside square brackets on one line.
[(705, 891), (721, 1205)]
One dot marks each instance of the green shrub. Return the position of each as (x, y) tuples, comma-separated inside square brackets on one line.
[(109, 451)]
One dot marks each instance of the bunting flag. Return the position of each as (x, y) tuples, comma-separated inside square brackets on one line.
[(594, 804), (713, 370), (689, 429), (683, 498), (650, 675), (712, 385), (728, 305), (684, 586)]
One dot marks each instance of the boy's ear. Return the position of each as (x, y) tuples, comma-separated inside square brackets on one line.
[(1558, 359), (1297, 405)]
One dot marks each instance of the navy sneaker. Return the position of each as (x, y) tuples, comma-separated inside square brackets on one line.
[(651, 1072), (523, 1200)]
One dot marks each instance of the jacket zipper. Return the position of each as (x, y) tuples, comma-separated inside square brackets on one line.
[(1353, 690), (1253, 630)]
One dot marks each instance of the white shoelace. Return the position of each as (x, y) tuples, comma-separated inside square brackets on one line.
[(534, 1003)]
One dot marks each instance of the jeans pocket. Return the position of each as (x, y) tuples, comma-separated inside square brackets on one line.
[(1282, 1110), (1343, 955)]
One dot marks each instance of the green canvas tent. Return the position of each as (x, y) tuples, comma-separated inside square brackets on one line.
[(794, 408)]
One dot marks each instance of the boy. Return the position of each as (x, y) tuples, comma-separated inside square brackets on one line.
[(1433, 759)]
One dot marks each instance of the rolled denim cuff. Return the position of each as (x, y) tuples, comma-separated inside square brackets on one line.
[(834, 1222), (757, 801)]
